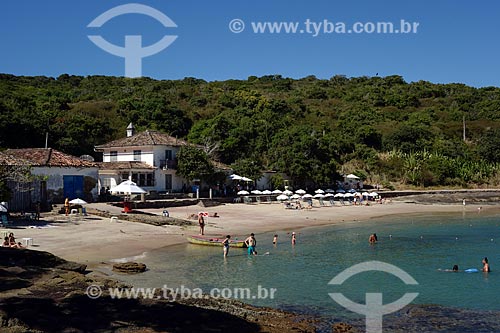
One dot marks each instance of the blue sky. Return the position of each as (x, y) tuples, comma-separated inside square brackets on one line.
[(456, 41)]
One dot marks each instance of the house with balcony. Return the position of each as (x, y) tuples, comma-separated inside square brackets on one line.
[(147, 158)]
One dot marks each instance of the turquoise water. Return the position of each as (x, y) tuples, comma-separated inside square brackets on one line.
[(420, 245)]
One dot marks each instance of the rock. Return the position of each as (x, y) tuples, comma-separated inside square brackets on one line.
[(129, 267), (343, 328), (72, 266)]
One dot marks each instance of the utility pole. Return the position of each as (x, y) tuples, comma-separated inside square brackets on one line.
[(464, 128)]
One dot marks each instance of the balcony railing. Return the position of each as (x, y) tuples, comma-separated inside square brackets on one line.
[(168, 164)]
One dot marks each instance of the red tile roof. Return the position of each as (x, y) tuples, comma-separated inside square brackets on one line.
[(48, 157), (8, 159), (125, 165), (147, 138)]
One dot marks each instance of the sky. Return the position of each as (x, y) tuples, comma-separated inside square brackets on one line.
[(454, 41)]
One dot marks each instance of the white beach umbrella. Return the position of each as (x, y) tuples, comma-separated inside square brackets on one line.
[(365, 194), (339, 195), (348, 195), (319, 191), (267, 192), (282, 197), (373, 194), (329, 190), (301, 192), (78, 201), (235, 177), (328, 195), (352, 190), (3, 209), (318, 196), (340, 190), (307, 196), (351, 176), (277, 192), (295, 196), (256, 192), (245, 179), (287, 192), (128, 187), (243, 192)]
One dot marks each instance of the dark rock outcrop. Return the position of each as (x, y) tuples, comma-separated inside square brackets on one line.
[(129, 267)]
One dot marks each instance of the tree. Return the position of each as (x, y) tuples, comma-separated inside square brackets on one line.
[(193, 163), (248, 167)]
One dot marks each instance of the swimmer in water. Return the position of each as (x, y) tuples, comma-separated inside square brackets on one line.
[(486, 265)]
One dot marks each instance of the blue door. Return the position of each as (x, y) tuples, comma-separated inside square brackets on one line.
[(73, 187)]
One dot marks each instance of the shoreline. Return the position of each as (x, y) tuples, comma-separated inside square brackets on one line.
[(94, 240)]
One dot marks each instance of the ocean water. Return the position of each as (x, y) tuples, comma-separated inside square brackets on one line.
[(420, 245)]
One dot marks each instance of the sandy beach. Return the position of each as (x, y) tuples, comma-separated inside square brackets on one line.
[(93, 239)]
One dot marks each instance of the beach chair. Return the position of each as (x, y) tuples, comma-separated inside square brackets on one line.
[(257, 199), (321, 202), (332, 202)]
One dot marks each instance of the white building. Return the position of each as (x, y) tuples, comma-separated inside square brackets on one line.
[(148, 158), (55, 176)]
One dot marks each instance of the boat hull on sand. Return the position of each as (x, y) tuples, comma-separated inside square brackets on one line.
[(214, 241)]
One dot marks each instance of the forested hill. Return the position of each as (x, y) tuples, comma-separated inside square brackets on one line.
[(378, 127)]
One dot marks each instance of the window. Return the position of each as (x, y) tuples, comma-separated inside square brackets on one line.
[(137, 155), (168, 182), (113, 156), (150, 179), (168, 155)]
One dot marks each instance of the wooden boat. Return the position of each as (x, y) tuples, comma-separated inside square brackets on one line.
[(214, 241)]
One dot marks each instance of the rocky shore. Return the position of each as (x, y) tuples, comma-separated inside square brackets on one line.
[(40, 292)]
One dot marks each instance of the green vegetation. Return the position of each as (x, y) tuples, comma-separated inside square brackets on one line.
[(389, 131)]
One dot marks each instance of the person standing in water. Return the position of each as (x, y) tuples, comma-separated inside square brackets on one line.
[(251, 242), (486, 265), (275, 239), (294, 238), (225, 244), (373, 238), (201, 222)]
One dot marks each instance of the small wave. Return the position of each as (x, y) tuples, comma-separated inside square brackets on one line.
[(127, 259)]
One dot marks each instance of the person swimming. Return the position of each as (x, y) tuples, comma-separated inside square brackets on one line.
[(486, 265), (275, 239)]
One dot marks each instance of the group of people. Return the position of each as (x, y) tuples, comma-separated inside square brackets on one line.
[(486, 267), (10, 241), (251, 243)]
